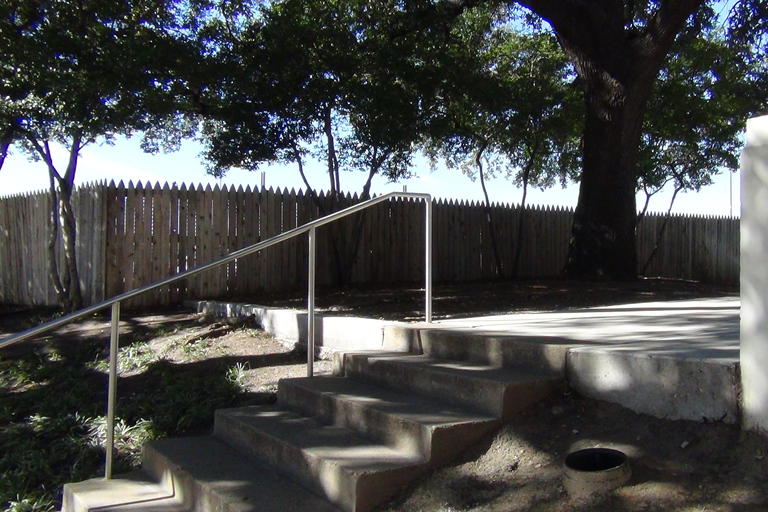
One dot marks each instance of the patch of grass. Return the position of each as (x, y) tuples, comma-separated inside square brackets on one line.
[(53, 404), (196, 349)]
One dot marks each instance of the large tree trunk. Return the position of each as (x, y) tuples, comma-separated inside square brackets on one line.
[(603, 235), (617, 59)]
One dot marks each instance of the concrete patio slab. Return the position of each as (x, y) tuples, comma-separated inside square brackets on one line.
[(704, 329)]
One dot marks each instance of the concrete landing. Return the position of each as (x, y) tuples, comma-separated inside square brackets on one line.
[(675, 359)]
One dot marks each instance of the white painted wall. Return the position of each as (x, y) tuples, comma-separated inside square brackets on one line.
[(754, 276)]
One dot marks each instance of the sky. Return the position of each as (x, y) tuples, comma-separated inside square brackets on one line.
[(125, 161)]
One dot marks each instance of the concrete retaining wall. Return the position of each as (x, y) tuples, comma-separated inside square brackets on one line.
[(677, 389)]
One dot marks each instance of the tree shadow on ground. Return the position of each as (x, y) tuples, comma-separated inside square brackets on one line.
[(53, 398)]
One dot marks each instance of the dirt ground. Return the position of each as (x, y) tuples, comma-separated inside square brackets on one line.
[(676, 465), (494, 297)]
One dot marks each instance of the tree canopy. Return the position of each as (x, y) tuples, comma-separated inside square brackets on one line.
[(618, 96), (74, 73)]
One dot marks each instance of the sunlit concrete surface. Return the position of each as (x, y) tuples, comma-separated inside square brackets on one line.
[(706, 329)]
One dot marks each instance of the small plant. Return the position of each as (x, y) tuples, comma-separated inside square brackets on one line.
[(236, 374), (30, 505), (128, 438)]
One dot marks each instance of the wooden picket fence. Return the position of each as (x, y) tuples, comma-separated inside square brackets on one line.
[(130, 236)]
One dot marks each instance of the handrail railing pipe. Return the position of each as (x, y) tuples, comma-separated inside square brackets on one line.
[(428, 262), (309, 227), (311, 275), (114, 338)]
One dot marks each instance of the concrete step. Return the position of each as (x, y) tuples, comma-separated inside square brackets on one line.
[(433, 429), (494, 390), (211, 476), (541, 355), (351, 472), (196, 474), (124, 493)]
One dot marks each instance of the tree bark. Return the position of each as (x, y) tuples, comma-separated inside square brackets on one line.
[(53, 237), (603, 235), (6, 140)]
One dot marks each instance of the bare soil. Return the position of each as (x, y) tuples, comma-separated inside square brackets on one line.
[(676, 465)]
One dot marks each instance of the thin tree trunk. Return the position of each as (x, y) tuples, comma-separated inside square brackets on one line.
[(641, 215), (4, 148), (333, 174), (320, 206), (69, 236), (66, 284), (488, 217), (333, 162), (5, 145), (663, 228), (359, 219), (523, 212), (53, 237), (648, 196)]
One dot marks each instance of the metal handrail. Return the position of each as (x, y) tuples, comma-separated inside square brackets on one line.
[(309, 227)]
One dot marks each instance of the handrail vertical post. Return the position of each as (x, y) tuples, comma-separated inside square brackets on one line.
[(114, 342), (428, 263), (311, 302)]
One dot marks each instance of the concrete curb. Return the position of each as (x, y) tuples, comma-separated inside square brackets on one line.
[(332, 333)]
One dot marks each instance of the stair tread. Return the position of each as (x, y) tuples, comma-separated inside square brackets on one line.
[(466, 369), (247, 484), (338, 445), (407, 407)]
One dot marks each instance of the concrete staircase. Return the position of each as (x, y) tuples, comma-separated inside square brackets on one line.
[(350, 441)]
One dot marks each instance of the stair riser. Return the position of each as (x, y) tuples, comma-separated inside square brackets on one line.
[(536, 356), (368, 422), (347, 490), (475, 394)]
